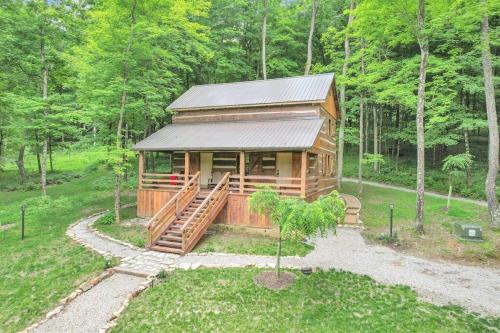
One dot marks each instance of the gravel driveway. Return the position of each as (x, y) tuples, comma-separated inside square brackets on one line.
[(477, 289)]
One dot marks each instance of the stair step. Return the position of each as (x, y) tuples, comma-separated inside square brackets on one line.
[(166, 249), (172, 238), (169, 244)]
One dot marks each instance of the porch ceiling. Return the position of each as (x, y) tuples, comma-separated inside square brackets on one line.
[(293, 134)]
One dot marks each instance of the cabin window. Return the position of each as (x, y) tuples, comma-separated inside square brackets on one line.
[(178, 162), (158, 162), (262, 163), (225, 162), (313, 163)]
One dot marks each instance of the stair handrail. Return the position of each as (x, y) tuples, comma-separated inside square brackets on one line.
[(156, 224), (207, 200)]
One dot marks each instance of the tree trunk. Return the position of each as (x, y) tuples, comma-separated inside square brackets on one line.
[(50, 156), (347, 54), (20, 164), (380, 136), (467, 151), (398, 141), (360, 152), (361, 115), (45, 84), (424, 57), (264, 35), (278, 255), (493, 144), (367, 133), (123, 103), (37, 150), (315, 5), (375, 137)]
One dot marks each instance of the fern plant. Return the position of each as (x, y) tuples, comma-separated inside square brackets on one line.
[(456, 166), (296, 218)]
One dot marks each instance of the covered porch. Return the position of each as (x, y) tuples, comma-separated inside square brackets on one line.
[(284, 155), (291, 173)]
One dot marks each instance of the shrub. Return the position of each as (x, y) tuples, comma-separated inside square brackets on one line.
[(108, 218)]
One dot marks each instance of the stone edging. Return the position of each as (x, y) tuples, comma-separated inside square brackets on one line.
[(80, 241), (64, 302), (215, 254), (100, 234), (113, 321)]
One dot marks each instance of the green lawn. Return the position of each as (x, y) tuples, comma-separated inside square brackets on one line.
[(47, 265), (132, 234), (233, 242), (435, 179), (218, 240), (211, 300), (438, 241)]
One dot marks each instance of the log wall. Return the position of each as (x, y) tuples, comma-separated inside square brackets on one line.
[(150, 201)]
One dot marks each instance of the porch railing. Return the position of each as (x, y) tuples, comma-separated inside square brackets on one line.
[(162, 181), (283, 185), (170, 211)]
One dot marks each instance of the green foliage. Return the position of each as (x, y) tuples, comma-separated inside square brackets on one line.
[(459, 162), (331, 301), (107, 219), (456, 165), (371, 159), (298, 218)]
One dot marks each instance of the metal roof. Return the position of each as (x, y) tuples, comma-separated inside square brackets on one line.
[(296, 134), (299, 89)]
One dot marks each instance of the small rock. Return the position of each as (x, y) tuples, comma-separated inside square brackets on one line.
[(54, 312), (184, 265), (86, 286)]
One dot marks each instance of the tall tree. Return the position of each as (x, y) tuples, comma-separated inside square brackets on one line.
[(347, 54), (314, 9), (424, 57), (263, 37), (45, 88), (133, 61), (491, 112)]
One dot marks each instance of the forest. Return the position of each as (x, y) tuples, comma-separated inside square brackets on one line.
[(415, 79)]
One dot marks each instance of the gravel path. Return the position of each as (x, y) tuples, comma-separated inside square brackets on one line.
[(409, 190), (473, 288), (476, 289), (90, 311)]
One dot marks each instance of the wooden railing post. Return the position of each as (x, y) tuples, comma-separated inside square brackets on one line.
[(141, 168), (186, 167), (242, 171), (303, 174)]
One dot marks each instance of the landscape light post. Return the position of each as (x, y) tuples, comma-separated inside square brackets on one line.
[(23, 213), (391, 214)]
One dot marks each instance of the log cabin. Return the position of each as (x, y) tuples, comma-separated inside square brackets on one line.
[(224, 141)]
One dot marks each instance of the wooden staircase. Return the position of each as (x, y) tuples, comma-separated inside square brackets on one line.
[(180, 224)]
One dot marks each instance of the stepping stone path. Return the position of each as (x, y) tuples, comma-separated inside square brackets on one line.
[(474, 288)]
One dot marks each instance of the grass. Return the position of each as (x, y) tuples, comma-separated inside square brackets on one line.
[(46, 266), (435, 179), (438, 241), (233, 242), (211, 300), (220, 240), (130, 233)]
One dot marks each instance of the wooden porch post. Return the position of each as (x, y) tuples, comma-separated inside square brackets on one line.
[(242, 171), (303, 174), (141, 168), (186, 167)]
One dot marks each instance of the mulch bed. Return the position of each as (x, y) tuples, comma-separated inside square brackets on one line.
[(270, 280)]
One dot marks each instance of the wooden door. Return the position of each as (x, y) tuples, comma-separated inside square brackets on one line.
[(205, 168)]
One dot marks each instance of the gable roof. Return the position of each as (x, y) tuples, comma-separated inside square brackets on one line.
[(294, 134), (291, 90)]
